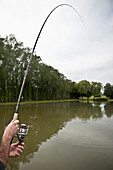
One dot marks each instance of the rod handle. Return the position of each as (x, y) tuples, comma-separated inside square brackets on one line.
[(15, 116)]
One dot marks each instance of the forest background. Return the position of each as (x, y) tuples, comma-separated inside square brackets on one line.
[(43, 81)]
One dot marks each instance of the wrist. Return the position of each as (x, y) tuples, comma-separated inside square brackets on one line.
[(4, 152)]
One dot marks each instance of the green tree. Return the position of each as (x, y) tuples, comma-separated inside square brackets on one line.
[(83, 88), (96, 88), (43, 81), (108, 90)]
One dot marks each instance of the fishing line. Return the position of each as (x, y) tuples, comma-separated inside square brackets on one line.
[(24, 79)]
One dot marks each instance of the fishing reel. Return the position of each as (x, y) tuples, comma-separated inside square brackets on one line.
[(23, 131)]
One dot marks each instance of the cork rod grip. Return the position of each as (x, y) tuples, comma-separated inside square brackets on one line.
[(15, 116)]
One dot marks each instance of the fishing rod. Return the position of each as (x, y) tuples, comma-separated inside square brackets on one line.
[(24, 79)]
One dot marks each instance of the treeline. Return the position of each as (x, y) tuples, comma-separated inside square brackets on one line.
[(43, 82)]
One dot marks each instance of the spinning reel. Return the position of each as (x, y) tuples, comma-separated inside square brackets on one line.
[(23, 131)]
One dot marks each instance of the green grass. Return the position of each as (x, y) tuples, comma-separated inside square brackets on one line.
[(36, 102), (50, 101)]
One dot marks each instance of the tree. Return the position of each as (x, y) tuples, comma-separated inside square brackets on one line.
[(43, 82), (83, 88), (108, 90), (96, 88)]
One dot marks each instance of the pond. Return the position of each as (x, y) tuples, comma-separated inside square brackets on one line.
[(64, 136)]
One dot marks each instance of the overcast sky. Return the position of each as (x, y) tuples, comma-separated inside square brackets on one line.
[(78, 51)]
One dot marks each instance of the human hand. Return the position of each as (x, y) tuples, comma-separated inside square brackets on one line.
[(11, 130), (16, 149)]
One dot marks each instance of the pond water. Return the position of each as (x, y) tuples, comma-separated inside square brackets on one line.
[(64, 136)]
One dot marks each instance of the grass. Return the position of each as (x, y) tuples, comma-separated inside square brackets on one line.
[(54, 101), (38, 102)]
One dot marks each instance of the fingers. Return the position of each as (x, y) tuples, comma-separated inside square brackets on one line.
[(20, 148), (22, 144), (13, 128), (17, 145), (16, 149), (16, 121), (19, 151)]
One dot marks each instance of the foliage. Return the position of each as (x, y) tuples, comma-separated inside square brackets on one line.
[(108, 90), (43, 82), (83, 88), (96, 88)]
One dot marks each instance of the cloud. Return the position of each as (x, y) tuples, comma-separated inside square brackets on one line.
[(78, 52)]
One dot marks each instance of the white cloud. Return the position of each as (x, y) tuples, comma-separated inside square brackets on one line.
[(78, 52)]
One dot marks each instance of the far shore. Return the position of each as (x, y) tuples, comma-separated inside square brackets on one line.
[(52, 101)]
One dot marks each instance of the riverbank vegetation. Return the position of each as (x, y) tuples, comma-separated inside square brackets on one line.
[(43, 82)]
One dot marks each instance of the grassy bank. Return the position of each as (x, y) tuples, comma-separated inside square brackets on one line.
[(38, 102), (55, 101)]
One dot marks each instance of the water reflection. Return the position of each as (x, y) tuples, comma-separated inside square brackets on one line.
[(46, 120), (109, 109)]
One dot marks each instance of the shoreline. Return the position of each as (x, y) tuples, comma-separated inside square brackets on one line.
[(53, 101)]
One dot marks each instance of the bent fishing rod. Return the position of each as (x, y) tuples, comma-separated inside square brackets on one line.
[(24, 79)]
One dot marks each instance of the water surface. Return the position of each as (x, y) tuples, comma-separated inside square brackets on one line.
[(64, 136)]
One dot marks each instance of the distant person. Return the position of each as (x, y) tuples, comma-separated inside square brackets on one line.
[(7, 150)]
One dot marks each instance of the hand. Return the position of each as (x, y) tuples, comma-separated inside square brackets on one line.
[(11, 130), (16, 149)]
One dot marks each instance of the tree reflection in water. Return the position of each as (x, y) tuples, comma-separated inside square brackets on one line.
[(46, 120)]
